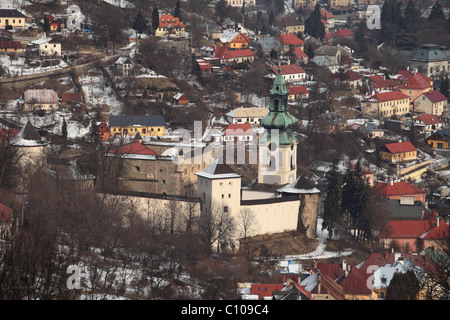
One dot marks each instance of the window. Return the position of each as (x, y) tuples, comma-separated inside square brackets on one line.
[(138, 168), (164, 181), (225, 209), (223, 196)]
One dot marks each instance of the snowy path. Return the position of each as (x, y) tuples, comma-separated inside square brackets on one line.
[(320, 252)]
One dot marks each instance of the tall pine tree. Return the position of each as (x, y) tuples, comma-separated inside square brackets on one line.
[(333, 213), (139, 24), (155, 19), (177, 11), (313, 25), (437, 15)]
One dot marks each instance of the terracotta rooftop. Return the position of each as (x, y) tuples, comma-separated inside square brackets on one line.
[(290, 40), (288, 69), (396, 188)]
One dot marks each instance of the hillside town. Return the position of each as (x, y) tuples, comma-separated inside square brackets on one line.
[(224, 150)]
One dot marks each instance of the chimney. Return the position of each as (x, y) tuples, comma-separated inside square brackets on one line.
[(344, 265), (437, 221)]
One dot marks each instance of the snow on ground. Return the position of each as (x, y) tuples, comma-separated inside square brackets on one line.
[(98, 92), (17, 68), (320, 252), (120, 3)]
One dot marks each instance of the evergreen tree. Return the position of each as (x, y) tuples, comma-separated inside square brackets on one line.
[(310, 51), (444, 86), (64, 129), (279, 7), (403, 286), (313, 25), (271, 18), (46, 25), (139, 24), (437, 15), (155, 19), (333, 213), (221, 10), (412, 17), (177, 12)]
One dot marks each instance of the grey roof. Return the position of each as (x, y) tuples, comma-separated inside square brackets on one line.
[(444, 133), (268, 43), (399, 211), (429, 52), (324, 61), (11, 13), (331, 51), (28, 137), (137, 120)]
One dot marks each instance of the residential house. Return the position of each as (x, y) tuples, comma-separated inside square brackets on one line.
[(252, 115), (71, 99), (379, 83), (13, 18), (124, 65), (203, 66), (385, 104), (233, 40), (240, 3), (399, 151), (290, 25), (415, 86), (342, 55), (406, 208), (304, 4), (439, 139), (339, 4), (180, 99), (268, 43), (297, 93), (148, 125), (10, 46), (429, 122), (431, 102), (353, 79), (170, 26), (328, 17), (399, 191), (298, 56), (431, 61), (39, 99), (6, 221), (355, 284), (290, 72), (328, 62), (414, 235), (290, 41), (323, 287), (238, 132), (342, 33), (103, 131), (227, 56), (46, 46)]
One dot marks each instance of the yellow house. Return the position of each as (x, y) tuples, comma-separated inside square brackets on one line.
[(233, 40), (170, 25), (13, 18), (148, 125), (400, 151), (440, 139), (385, 104)]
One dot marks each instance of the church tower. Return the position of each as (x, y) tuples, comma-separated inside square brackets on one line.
[(278, 145)]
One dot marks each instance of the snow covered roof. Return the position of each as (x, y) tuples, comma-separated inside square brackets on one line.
[(28, 137), (300, 186), (218, 170)]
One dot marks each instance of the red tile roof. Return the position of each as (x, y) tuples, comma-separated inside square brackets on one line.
[(225, 53), (167, 19), (356, 282), (416, 82), (299, 53), (378, 81), (235, 129), (343, 33), (414, 229), (326, 14), (10, 44), (289, 69), (428, 119), (8, 134), (435, 96), (333, 270), (6, 213), (71, 96), (386, 96), (400, 147), (290, 40), (353, 76), (298, 90), (265, 290), (396, 189), (134, 148)]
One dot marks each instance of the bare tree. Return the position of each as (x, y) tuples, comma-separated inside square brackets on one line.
[(247, 223)]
